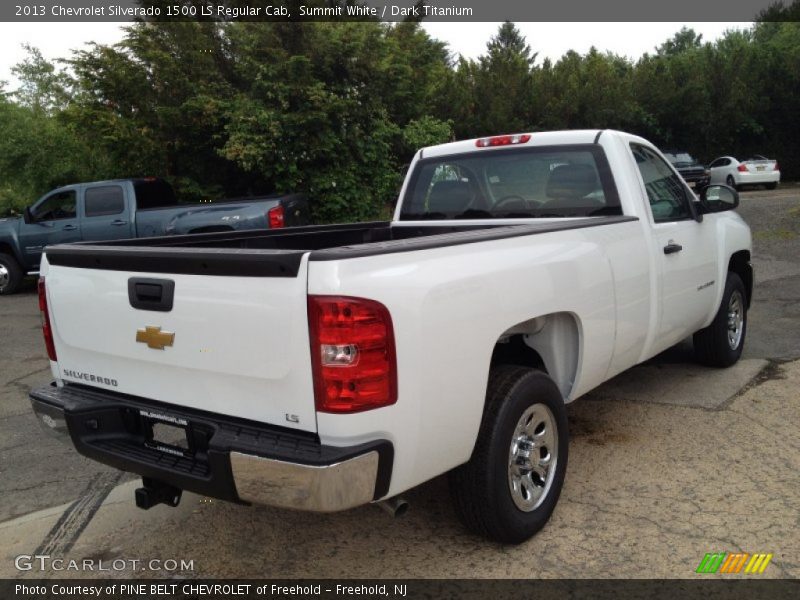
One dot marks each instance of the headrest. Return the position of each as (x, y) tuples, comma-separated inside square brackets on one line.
[(571, 182), (451, 196)]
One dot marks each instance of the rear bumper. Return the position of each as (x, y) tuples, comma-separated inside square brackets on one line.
[(226, 458), (756, 177)]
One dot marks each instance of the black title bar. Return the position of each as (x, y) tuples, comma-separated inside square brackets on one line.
[(392, 11), (409, 589)]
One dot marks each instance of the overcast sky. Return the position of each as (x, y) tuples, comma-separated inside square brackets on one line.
[(551, 40)]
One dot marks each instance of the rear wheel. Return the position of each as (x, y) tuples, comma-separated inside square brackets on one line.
[(772, 186), (10, 275), (720, 344), (510, 486)]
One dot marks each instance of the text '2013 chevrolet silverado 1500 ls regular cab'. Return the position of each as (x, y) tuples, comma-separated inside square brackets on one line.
[(332, 366)]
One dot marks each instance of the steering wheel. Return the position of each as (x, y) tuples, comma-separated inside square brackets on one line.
[(511, 198)]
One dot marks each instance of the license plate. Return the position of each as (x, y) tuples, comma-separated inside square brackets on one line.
[(759, 168), (167, 434)]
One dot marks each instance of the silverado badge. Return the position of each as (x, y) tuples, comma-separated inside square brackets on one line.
[(154, 337)]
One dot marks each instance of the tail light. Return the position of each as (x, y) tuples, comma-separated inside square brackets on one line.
[(742, 168), (47, 330), (503, 140), (776, 167), (275, 217), (352, 354)]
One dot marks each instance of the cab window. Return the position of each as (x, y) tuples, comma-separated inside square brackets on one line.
[(665, 188), (535, 182), (104, 201), (60, 205)]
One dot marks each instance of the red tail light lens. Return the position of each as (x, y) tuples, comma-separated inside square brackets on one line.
[(47, 330), (352, 354), (776, 167), (503, 140), (742, 168), (275, 217)]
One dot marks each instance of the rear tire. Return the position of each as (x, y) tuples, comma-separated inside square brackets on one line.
[(772, 186), (11, 275), (510, 486), (720, 344)]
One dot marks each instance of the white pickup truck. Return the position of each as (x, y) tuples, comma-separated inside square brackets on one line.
[(327, 367)]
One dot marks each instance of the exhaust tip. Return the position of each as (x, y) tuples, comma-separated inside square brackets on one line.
[(401, 508), (396, 507)]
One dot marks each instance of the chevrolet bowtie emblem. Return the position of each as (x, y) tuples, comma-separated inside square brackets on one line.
[(154, 337)]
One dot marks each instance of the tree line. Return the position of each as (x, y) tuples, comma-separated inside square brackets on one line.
[(336, 109)]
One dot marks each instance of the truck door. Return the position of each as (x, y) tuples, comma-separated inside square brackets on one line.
[(685, 250), (106, 213), (54, 220)]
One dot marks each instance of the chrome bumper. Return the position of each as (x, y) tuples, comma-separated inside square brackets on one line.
[(326, 488), (253, 463)]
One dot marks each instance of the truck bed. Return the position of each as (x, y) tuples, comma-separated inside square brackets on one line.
[(238, 347), (279, 253)]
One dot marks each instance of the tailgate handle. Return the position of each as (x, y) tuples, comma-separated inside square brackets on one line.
[(151, 294)]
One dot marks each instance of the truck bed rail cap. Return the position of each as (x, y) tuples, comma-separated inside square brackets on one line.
[(231, 262), (462, 237)]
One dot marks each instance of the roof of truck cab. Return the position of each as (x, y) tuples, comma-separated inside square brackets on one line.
[(538, 138), (107, 182)]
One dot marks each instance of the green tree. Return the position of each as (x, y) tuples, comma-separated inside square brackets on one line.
[(42, 86), (334, 109), (683, 41), (155, 104), (503, 83), (37, 153)]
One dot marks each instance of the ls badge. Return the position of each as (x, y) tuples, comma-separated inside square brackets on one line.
[(154, 337)]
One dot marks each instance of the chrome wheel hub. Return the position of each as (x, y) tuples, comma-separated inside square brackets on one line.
[(735, 320), (4, 276), (532, 457)]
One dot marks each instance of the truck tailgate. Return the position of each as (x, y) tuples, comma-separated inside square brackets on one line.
[(240, 345)]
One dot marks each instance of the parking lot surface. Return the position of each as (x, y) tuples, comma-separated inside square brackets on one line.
[(668, 461)]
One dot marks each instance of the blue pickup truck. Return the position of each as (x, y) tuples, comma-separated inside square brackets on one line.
[(129, 208)]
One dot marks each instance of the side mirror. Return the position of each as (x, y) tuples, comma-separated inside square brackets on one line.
[(27, 215), (718, 198)]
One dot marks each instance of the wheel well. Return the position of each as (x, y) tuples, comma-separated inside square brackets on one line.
[(740, 264), (550, 343), (6, 248), (512, 350)]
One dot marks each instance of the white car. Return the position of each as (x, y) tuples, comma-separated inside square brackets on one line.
[(757, 170)]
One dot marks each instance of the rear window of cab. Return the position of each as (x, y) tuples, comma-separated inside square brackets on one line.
[(540, 182)]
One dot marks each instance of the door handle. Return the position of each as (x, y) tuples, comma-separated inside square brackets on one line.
[(69, 228), (119, 222), (672, 248)]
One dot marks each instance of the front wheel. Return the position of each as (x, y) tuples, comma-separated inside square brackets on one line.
[(510, 486), (731, 182), (721, 343)]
